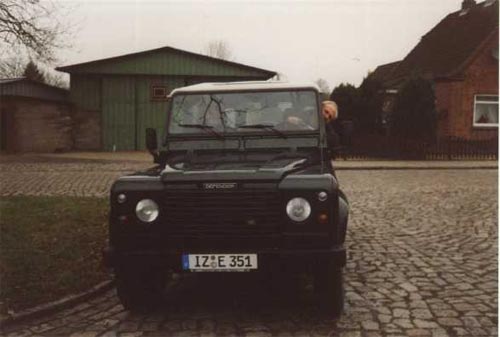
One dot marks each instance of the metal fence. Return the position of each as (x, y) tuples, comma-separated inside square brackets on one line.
[(383, 147)]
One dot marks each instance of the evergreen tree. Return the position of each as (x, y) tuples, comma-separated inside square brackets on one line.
[(370, 104), (346, 97), (414, 116), (32, 72)]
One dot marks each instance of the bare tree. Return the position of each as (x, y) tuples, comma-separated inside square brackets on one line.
[(57, 79), (219, 49), (33, 24), (323, 86), (12, 66)]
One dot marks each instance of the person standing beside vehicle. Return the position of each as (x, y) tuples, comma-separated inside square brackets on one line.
[(330, 112)]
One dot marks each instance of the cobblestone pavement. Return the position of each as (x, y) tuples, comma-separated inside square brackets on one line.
[(36, 176), (422, 262)]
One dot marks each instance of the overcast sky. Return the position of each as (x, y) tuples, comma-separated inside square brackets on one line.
[(338, 40)]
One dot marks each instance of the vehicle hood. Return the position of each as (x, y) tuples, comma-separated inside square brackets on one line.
[(235, 167)]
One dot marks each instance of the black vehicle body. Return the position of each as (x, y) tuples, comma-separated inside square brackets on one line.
[(229, 196)]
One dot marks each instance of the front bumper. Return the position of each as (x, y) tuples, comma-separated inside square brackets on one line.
[(293, 260)]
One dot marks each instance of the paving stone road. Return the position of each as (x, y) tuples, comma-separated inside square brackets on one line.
[(29, 176), (422, 262)]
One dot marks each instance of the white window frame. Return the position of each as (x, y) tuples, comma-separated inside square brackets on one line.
[(162, 97), (476, 102)]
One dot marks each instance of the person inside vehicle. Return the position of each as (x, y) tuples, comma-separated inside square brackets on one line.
[(301, 118)]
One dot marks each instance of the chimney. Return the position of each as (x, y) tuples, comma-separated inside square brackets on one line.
[(467, 4)]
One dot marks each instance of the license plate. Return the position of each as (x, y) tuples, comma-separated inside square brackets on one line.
[(219, 262)]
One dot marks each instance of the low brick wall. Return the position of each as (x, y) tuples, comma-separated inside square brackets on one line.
[(87, 129)]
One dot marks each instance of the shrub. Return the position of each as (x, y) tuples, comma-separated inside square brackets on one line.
[(414, 114)]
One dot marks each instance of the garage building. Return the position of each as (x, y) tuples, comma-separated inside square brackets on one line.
[(116, 99), (34, 117)]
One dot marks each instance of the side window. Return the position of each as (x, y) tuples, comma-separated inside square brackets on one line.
[(486, 111)]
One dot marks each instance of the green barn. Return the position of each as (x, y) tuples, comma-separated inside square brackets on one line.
[(115, 99)]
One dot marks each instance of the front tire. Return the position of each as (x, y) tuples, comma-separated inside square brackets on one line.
[(329, 287), (140, 289)]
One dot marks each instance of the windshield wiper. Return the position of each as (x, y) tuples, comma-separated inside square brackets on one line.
[(263, 126), (207, 128)]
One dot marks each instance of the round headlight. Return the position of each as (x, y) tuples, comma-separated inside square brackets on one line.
[(147, 210), (298, 209)]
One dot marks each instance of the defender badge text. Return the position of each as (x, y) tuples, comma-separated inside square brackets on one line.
[(212, 186)]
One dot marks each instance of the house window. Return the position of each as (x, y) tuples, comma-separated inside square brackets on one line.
[(159, 92), (486, 110)]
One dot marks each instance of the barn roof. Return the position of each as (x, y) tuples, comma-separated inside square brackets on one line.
[(24, 87), (168, 61), (446, 49)]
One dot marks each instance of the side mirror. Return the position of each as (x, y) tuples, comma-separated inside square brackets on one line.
[(152, 143)]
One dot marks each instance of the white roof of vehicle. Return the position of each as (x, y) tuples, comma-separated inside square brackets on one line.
[(243, 86)]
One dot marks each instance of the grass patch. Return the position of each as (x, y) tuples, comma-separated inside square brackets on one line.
[(49, 247)]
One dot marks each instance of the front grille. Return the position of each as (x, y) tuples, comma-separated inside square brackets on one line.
[(222, 213)]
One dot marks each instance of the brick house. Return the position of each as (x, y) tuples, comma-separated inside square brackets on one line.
[(34, 117), (460, 56)]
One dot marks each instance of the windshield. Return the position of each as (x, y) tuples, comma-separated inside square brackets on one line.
[(269, 112)]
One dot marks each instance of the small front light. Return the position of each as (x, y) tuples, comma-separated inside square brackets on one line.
[(322, 196), (121, 198), (298, 209), (323, 218), (147, 210)]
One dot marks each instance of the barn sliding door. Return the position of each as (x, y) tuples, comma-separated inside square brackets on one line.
[(118, 114)]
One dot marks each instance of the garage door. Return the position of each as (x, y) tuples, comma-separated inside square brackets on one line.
[(118, 114)]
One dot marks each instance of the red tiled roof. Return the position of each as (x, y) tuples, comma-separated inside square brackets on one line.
[(444, 50), (384, 71)]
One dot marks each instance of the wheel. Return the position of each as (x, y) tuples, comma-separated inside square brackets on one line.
[(343, 216), (329, 287), (140, 289)]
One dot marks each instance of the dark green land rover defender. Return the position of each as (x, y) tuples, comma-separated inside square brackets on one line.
[(243, 183)]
